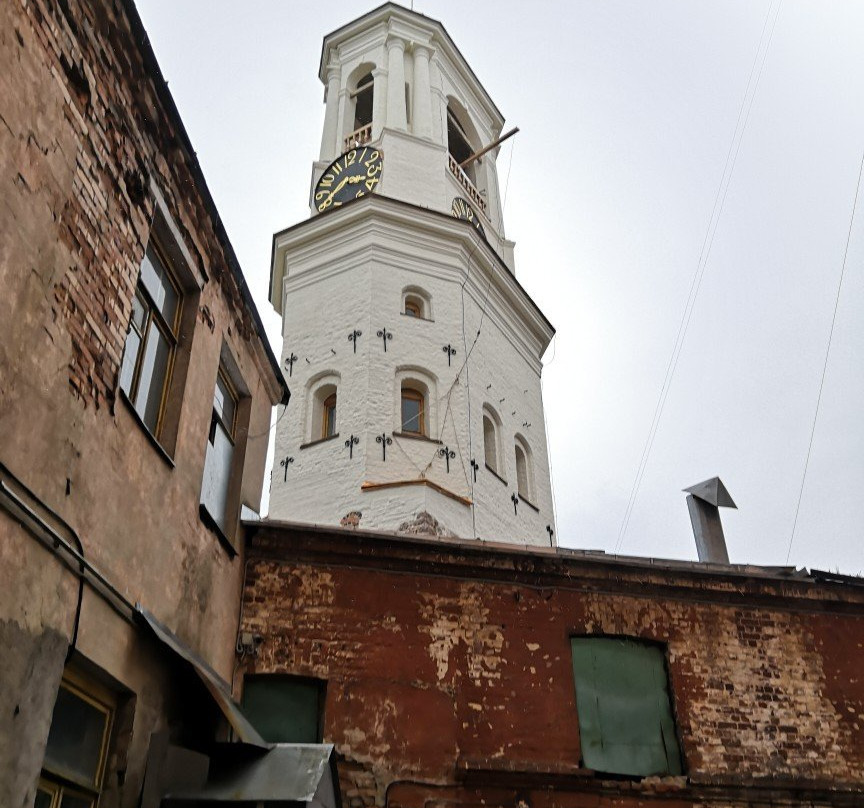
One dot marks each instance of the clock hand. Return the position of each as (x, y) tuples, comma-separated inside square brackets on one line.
[(338, 188)]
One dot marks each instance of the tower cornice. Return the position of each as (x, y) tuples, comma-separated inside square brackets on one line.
[(408, 25), (313, 232)]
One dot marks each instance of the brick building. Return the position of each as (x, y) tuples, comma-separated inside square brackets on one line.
[(136, 388), (455, 672), (463, 673)]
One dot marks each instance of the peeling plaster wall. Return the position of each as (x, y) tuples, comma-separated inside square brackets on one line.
[(439, 659)]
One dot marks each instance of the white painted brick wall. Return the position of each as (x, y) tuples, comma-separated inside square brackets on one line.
[(354, 280)]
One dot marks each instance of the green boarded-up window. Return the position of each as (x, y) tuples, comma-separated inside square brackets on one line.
[(625, 714), (284, 709)]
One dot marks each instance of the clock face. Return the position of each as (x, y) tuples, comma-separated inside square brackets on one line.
[(354, 174), (462, 210)]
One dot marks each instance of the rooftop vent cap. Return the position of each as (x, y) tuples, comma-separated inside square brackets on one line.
[(703, 502)]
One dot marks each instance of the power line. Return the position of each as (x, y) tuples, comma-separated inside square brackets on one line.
[(702, 263), (825, 363)]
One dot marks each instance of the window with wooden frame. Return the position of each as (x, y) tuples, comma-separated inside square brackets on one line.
[(623, 701), (77, 748), (151, 341), (413, 308), (413, 411), (328, 416), (219, 457)]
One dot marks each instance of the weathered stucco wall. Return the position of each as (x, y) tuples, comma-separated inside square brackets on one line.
[(86, 132), (452, 666)]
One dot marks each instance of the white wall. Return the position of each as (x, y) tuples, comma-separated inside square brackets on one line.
[(353, 278)]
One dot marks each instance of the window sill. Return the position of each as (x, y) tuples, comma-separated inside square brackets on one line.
[(415, 436), (153, 440), (495, 474), (528, 502), (211, 524), (318, 440), (421, 319)]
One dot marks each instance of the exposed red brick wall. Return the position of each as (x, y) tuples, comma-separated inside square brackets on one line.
[(83, 136), (436, 664)]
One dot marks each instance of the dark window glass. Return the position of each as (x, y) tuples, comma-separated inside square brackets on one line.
[(77, 737), (457, 142), (284, 709), (363, 101)]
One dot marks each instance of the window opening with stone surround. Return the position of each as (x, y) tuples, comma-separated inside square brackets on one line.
[(151, 340), (624, 706)]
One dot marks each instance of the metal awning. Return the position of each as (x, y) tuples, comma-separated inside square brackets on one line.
[(214, 683), (304, 774)]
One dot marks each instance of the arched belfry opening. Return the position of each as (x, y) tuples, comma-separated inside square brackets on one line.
[(462, 140), (361, 92)]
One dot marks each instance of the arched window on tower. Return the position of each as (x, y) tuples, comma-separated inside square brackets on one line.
[(416, 302), (415, 396), (489, 452), (321, 420), (524, 470), (459, 142), (363, 97), (492, 441)]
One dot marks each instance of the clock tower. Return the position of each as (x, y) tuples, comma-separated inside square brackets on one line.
[(413, 354)]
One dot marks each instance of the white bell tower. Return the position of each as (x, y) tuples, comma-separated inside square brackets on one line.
[(413, 354)]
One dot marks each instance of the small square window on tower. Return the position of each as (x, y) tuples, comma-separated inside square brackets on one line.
[(626, 723)]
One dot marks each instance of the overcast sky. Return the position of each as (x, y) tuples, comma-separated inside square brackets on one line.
[(627, 111)]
